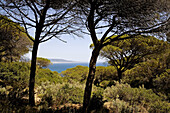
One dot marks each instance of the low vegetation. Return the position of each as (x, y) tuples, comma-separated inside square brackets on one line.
[(64, 94)]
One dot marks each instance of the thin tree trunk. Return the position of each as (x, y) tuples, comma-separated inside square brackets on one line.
[(32, 74), (119, 72), (89, 82), (39, 28)]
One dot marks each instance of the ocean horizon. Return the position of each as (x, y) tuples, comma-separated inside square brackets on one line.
[(59, 67)]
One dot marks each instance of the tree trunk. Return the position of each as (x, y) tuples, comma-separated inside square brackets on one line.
[(90, 78), (39, 27), (119, 72), (32, 73)]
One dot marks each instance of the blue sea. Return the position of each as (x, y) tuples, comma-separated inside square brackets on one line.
[(59, 67)]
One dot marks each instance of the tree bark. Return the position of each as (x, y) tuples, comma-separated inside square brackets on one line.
[(90, 78), (32, 73), (119, 72), (39, 27)]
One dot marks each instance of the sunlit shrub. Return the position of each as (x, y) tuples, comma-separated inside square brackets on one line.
[(136, 96), (120, 106), (78, 73), (60, 93), (43, 75)]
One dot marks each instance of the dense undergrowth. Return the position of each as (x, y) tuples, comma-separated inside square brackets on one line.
[(59, 94)]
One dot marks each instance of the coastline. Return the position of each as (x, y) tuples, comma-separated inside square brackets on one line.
[(63, 62), (73, 62), (62, 66)]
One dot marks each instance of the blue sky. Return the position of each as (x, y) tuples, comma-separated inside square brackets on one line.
[(76, 49)]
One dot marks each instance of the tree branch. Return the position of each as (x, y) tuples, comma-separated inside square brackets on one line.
[(61, 17), (91, 24), (21, 13), (110, 28), (35, 14), (135, 32)]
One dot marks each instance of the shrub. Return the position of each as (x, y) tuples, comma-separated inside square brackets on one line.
[(78, 73), (136, 97), (162, 83), (43, 75), (104, 83), (120, 106), (60, 93), (96, 101), (14, 81), (14, 78)]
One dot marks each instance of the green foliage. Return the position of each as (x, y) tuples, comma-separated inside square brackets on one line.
[(73, 93), (14, 82), (152, 74), (61, 93), (13, 43), (143, 73), (105, 74), (120, 106), (43, 62), (136, 97), (104, 83), (43, 75), (78, 73), (54, 90), (14, 74), (162, 83), (14, 79), (96, 101), (124, 54)]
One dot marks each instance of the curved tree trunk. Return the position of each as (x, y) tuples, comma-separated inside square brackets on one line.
[(32, 73), (90, 78)]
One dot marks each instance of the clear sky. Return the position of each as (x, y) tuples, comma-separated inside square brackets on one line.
[(76, 49)]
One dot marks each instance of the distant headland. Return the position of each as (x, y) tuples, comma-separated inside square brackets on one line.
[(61, 61)]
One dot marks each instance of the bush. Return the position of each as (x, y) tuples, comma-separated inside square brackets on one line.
[(104, 83), (162, 83), (44, 75), (136, 97), (14, 78), (78, 73), (152, 74), (96, 101), (58, 94), (120, 106), (143, 73), (104, 74), (14, 82)]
